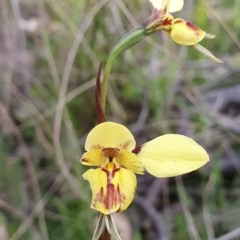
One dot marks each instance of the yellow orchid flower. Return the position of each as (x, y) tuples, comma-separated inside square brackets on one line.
[(112, 149), (181, 31)]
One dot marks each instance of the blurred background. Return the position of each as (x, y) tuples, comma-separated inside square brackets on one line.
[(49, 55)]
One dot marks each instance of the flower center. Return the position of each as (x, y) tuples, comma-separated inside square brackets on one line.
[(110, 154)]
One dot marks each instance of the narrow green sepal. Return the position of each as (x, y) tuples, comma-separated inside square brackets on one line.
[(100, 227), (111, 227), (206, 53), (108, 222)]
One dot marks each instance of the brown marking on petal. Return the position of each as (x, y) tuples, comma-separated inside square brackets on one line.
[(192, 27), (97, 146), (113, 197), (99, 197), (110, 152), (83, 160), (178, 20), (137, 149), (125, 145), (167, 21), (106, 171), (197, 31), (110, 174), (114, 171)]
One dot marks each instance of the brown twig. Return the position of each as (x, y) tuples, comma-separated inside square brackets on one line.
[(105, 235), (100, 113)]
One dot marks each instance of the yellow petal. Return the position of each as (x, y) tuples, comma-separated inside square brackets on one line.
[(171, 5), (110, 135), (172, 155), (98, 183), (112, 191), (186, 33), (130, 161), (93, 158), (127, 186)]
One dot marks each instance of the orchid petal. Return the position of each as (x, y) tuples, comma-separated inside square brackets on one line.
[(172, 155), (175, 5), (93, 158), (159, 4), (171, 5), (112, 191), (130, 161), (110, 135), (186, 33)]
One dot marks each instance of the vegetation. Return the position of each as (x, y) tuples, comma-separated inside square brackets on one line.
[(50, 52)]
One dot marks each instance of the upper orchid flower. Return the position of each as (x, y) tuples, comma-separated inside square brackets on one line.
[(171, 6), (181, 31), (112, 149)]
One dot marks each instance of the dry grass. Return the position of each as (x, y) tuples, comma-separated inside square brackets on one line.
[(49, 55)]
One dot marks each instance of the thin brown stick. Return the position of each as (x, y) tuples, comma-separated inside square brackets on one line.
[(105, 235), (99, 110)]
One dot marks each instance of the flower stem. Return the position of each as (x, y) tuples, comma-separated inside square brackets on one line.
[(125, 43)]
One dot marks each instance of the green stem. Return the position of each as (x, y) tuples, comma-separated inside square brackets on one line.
[(125, 43)]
